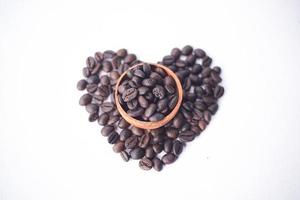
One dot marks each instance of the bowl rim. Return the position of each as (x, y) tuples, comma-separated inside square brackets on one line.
[(148, 124)]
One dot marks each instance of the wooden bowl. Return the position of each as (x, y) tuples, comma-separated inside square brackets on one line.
[(148, 124)]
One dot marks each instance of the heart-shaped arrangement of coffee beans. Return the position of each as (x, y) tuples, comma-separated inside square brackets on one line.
[(150, 92)]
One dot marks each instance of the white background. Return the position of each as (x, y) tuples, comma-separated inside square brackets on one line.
[(48, 149)]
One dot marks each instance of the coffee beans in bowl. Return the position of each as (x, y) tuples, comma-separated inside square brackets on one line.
[(148, 95)]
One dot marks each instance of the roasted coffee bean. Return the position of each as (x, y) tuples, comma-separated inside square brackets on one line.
[(206, 61), (149, 152), (139, 73), (123, 123), (185, 127), (215, 77), (168, 60), (93, 117), (207, 116), (103, 119), (129, 94), (102, 91), (157, 148), (168, 158), (196, 130), (143, 102), (114, 75), (172, 132), (218, 91), (149, 82), (137, 131), (137, 80), (130, 58), (156, 117), (190, 60), (92, 108), (187, 136), (162, 104), (125, 156), (177, 147), (196, 69), (137, 153), (86, 72), (176, 52), (173, 102), (158, 131), (81, 85), (157, 77), (136, 112), (91, 88), (149, 96), (143, 90), (96, 69), (170, 89), (168, 144), (147, 69), (213, 108), (199, 53), (85, 99), (133, 104), (144, 140), (187, 50), (106, 66), (150, 110), (178, 121), (113, 138), (131, 142), (113, 119), (124, 134), (118, 147), (157, 164), (98, 56), (107, 107), (145, 164), (159, 91), (107, 130), (122, 53), (90, 62), (217, 70), (180, 64), (108, 54), (202, 125)]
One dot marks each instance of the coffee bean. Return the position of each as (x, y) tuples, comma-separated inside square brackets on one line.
[(157, 164), (92, 108), (108, 54), (196, 130), (139, 73), (199, 53), (130, 58), (107, 130), (187, 50), (143, 102), (207, 116), (143, 90), (106, 66), (131, 142), (213, 108), (206, 61), (145, 164), (157, 77), (93, 117), (178, 121), (158, 131), (81, 85), (113, 119), (202, 125), (133, 104), (125, 156), (172, 132), (122, 53), (137, 153), (162, 104), (91, 88), (168, 158), (170, 89), (123, 123), (149, 82), (136, 112), (86, 72), (137, 131), (156, 117), (118, 147), (168, 144), (124, 134), (173, 102), (85, 99), (113, 138), (90, 62), (176, 52), (98, 56), (187, 136), (107, 107), (149, 153), (144, 140), (159, 91), (150, 110), (102, 91), (177, 147), (103, 119), (168, 60), (129, 94), (157, 148), (218, 91)]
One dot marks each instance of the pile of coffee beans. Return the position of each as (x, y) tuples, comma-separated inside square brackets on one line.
[(147, 93), (158, 147)]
